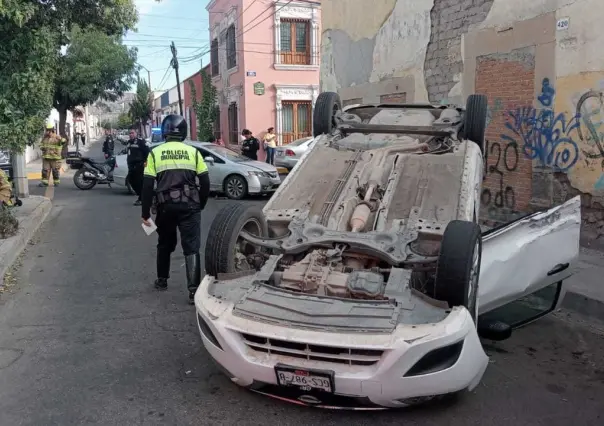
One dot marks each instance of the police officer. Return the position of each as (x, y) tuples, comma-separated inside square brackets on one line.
[(51, 147), (137, 155), (109, 144), (175, 167)]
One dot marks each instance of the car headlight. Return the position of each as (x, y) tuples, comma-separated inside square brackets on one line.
[(259, 174)]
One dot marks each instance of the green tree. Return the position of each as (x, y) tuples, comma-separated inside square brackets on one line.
[(33, 33), (205, 108), (95, 65), (124, 121), (107, 124), (141, 108)]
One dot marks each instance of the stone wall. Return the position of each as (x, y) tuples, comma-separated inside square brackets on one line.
[(539, 62)]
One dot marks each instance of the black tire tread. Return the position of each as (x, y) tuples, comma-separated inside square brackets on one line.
[(221, 235), (75, 180), (475, 121), (323, 110), (455, 261)]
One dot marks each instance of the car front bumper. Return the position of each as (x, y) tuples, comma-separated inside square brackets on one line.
[(262, 185), (407, 371)]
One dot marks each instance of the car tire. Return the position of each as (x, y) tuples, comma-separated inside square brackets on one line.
[(235, 187), (475, 120), (223, 236), (326, 107), (458, 268), (81, 183)]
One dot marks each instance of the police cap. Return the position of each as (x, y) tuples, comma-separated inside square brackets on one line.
[(174, 126)]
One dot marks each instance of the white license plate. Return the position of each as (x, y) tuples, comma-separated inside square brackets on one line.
[(279, 153), (305, 379)]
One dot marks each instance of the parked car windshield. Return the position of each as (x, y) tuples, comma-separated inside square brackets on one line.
[(229, 154), (299, 142)]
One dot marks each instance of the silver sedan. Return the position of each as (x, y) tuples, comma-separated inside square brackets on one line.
[(230, 172), (288, 155)]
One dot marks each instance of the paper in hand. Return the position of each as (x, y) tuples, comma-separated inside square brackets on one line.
[(149, 229)]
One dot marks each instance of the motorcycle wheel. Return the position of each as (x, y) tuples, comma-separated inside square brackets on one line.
[(81, 183)]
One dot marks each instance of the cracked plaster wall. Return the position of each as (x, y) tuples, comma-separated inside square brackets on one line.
[(416, 48)]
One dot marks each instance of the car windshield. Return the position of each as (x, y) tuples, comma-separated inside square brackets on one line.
[(299, 142), (229, 154), (156, 137)]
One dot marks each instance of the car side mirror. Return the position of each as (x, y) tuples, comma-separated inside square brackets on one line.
[(494, 330), (209, 160)]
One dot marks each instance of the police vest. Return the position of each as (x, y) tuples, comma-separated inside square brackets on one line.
[(175, 166)]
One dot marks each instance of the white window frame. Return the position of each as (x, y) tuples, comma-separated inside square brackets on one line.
[(292, 92), (297, 10)]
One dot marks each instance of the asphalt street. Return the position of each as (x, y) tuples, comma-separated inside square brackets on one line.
[(84, 339)]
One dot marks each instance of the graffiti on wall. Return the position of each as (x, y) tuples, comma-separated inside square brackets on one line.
[(590, 131), (506, 158)]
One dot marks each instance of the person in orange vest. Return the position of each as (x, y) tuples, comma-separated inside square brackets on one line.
[(51, 147)]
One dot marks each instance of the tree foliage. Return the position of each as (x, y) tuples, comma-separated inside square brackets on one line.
[(141, 108), (95, 65), (33, 33), (124, 121), (205, 108)]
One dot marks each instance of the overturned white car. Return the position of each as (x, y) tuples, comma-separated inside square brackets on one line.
[(366, 281)]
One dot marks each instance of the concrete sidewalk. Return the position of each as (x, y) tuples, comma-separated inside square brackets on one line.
[(585, 288), (30, 215)]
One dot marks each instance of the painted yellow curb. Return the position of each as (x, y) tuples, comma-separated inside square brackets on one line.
[(38, 175), (282, 170)]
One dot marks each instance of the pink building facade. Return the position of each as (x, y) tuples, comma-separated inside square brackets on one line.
[(265, 66)]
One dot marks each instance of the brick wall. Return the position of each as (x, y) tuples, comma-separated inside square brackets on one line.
[(450, 19), (508, 81)]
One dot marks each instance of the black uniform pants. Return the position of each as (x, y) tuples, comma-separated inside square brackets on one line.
[(185, 217), (136, 173)]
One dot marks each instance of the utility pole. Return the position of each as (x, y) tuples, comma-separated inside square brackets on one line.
[(175, 66)]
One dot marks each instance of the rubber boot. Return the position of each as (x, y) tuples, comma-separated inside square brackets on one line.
[(193, 269), (161, 284)]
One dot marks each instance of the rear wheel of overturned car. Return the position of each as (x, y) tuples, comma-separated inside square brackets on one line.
[(81, 182), (226, 252), (326, 107), (458, 267), (235, 187), (475, 120)]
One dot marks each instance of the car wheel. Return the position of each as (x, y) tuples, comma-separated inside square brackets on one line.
[(475, 120), (235, 187), (226, 251), (326, 107), (458, 267), (81, 183)]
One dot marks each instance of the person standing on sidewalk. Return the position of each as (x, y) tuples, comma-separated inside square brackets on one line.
[(183, 187), (270, 144), (250, 145), (137, 156), (51, 147)]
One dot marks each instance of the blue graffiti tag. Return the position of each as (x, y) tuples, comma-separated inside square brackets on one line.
[(545, 137), (547, 93)]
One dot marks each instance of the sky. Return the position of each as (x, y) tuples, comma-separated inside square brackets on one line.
[(183, 21)]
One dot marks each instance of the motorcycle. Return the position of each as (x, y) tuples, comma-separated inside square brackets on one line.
[(91, 172)]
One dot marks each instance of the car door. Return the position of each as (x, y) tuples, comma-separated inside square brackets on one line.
[(216, 170), (526, 258)]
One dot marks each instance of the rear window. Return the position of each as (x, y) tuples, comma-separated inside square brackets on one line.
[(156, 138), (299, 142)]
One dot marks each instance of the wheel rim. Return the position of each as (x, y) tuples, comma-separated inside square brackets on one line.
[(235, 188), (243, 248), (82, 181), (474, 276)]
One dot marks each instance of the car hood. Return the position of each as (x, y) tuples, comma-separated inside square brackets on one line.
[(259, 165)]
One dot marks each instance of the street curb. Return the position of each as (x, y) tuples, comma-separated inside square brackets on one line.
[(584, 305), (11, 248)]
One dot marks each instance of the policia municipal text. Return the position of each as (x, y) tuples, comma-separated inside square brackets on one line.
[(180, 199)]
